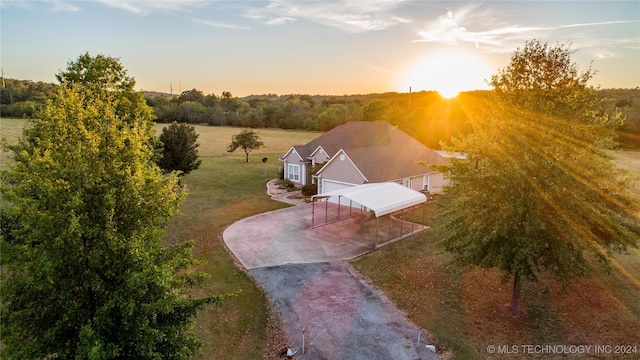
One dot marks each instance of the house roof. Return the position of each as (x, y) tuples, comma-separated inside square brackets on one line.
[(380, 151), (381, 198), (293, 149), (387, 163), (351, 135)]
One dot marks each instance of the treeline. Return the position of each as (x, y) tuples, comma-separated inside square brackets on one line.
[(424, 115), (412, 112), (23, 98)]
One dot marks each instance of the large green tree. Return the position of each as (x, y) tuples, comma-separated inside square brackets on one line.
[(179, 149), (84, 272), (538, 191), (247, 140)]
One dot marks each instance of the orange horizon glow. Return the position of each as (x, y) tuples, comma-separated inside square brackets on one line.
[(448, 73)]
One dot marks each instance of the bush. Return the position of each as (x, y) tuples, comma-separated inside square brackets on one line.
[(310, 189), (286, 183)]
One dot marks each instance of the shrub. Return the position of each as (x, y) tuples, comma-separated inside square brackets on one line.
[(286, 183), (310, 189)]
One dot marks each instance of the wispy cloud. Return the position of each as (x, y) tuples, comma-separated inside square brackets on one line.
[(54, 5), (15, 3), (145, 7), (219, 24), (57, 5), (605, 55), (351, 16), (453, 28)]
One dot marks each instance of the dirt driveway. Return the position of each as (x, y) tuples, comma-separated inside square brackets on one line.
[(328, 309)]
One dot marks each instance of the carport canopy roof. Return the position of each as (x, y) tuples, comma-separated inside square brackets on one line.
[(382, 198)]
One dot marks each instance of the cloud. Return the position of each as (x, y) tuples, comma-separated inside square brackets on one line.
[(219, 25), (145, 7), (605, 55), (351, 16), (15, 3), (57, 5), (453, 28)]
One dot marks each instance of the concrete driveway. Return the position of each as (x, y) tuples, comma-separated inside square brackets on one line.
[(328, 310), (285, 236)]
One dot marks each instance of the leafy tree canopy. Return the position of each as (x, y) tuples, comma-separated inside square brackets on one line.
[(247, 140), (179, 149), (104, 76), (538, 191), (101, 73), (84, 273)]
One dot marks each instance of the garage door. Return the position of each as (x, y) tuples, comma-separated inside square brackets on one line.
[(328, 185)]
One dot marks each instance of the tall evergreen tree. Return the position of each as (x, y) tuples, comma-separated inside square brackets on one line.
[(179, 149), (538, 191), (84, 273)]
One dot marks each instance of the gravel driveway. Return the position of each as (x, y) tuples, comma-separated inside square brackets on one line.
[(338, 314)]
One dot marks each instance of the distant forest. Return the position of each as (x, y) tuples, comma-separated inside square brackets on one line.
[(424, 115)]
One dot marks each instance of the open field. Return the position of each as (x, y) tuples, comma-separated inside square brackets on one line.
[(214, 140), (10, 130), (464, 311)]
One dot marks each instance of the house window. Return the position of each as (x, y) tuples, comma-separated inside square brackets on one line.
[(294, 172), (425, 183)]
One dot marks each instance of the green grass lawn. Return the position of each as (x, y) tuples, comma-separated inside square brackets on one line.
[(224, 190)]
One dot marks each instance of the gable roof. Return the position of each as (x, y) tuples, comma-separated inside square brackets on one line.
[(380, 151), (393, 162), (295, 150), (351, 135)]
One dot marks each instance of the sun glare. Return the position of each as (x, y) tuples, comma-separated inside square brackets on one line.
[(447, 73)]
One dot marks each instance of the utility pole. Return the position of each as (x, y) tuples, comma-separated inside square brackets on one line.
[(4, 86)]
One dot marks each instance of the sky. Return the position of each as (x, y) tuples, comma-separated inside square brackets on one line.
[(315, 47)]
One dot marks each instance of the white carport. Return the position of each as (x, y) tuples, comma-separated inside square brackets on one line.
[(380, 198)]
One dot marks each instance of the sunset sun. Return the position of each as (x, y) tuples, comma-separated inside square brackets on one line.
[(447, 73)]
